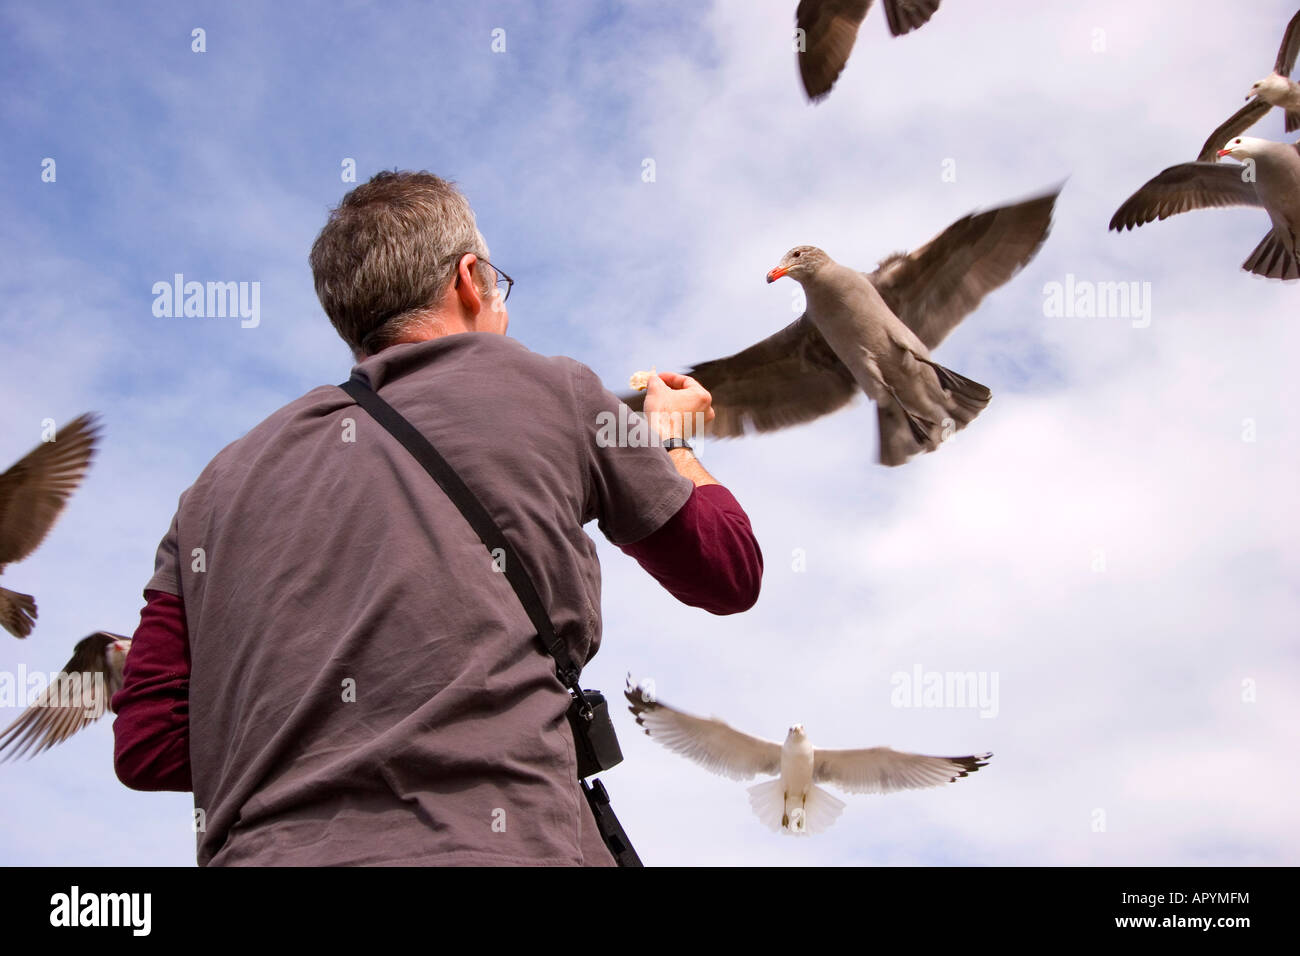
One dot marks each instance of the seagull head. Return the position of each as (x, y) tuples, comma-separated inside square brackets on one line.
[(1272, 88), (800, 264), (1240, 147), (115, 652), (797, 732)]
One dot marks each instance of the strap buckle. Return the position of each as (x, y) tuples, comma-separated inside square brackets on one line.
[(570, 678)]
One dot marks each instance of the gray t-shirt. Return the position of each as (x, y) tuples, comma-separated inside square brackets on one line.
[(364, 687)]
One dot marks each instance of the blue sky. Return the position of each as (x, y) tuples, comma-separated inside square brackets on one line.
[(1120, 689)]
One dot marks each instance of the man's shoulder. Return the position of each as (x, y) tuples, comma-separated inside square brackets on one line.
[(266, 434), (503, 348), (484, 361), (500, 354)]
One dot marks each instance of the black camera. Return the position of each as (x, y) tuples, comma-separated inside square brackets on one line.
[(594, 739)]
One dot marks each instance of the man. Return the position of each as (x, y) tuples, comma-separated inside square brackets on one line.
[(327, 656)]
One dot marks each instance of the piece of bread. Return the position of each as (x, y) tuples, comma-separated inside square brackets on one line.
[(640, 381)]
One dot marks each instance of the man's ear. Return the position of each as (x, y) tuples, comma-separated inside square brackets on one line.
[(471, 299)]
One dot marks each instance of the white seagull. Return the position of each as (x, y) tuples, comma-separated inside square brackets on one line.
[(792, 803), (1276, 89), (1271, 180)]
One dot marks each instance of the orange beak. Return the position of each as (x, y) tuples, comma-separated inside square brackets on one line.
[(1224, 152), (775, 274)]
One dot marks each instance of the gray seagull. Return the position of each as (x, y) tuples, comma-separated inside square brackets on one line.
[(873, 332), (792, 803), (1271, 180), (830, 28), (32, 495), (1276, 89), (77, 698)]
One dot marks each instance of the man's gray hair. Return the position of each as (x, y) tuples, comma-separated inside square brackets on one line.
[(389, 252)]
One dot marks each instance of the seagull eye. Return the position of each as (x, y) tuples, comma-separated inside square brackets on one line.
[(797, 255)]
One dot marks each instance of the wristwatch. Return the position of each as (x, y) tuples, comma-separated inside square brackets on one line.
[(670, 443)]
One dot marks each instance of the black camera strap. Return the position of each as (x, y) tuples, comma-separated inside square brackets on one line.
[(498, 544)]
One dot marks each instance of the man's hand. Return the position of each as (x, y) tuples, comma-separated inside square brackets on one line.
[(677, 405)]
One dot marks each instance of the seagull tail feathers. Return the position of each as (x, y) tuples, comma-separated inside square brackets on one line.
[(819, 809), (902, 435), (967, 397), (1272, 259), (768, 801)]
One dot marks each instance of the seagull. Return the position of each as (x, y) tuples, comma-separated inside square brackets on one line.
[(1270, 179), (1276, 89), (830, 28), (873, 332), (792, 803), (77, 698), (32, 495)]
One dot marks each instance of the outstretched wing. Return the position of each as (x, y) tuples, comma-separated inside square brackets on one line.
[(1286, 53), (77, 698), (787, 379), (830, 28), (1234, 125), (882, 770), (34, 491), (1183, 188), (938, 285), (712, 744)]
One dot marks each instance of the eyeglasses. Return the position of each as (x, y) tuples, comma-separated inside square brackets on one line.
[(504, 282)]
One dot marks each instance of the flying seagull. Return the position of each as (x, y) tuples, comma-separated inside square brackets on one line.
[(1276, 89), (873, 332), (792, 803), (830, 28), (75, 699), (32, 495), (1271, 181)]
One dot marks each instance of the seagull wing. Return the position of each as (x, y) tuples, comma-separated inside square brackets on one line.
[(34, 491), (906, 15), (882, 770), (938, 285), (1234, 125), (1182, 188), (830, 28), (714, 745), (78, 698), (787, 379), (1286, 54)]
